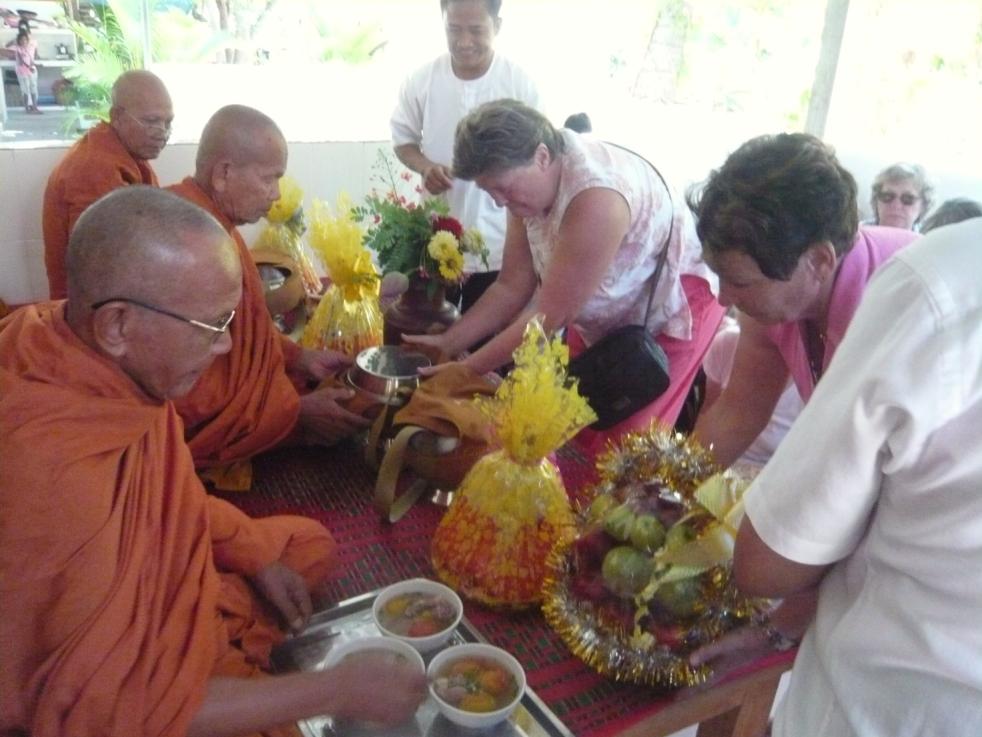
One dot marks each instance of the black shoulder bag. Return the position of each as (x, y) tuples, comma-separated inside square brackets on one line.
[(626, 369)]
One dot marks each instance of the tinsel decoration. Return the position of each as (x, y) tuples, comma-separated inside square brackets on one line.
[(709, 504)]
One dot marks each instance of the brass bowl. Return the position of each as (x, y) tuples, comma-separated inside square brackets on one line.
[(387, 372)]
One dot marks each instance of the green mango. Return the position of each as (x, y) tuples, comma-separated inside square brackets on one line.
[(648, 534), (679, 534), (681, 599), (600, 506), (619, 522), (626, 570)]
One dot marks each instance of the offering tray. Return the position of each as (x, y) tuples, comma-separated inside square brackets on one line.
[(352, 619)]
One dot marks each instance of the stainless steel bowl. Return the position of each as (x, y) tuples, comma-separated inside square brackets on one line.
[(387, 371)]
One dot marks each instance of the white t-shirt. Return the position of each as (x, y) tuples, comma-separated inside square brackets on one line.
[(431, 103), (882, 476), (718, 363)]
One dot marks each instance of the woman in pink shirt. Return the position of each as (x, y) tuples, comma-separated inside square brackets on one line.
[(779, 226), (25, 52)]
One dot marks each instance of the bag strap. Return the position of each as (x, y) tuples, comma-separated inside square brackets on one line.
[(391, 507), (663, 256)]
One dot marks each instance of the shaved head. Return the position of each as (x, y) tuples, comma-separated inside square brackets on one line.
[(241, 158), (236, 133), (136, 84), (141, 113), (148, 274), (144, 243)]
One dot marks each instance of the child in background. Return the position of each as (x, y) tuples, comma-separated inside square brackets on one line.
[(25, 52)]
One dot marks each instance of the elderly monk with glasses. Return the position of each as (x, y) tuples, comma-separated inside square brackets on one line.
[(131, 602), (111, 155), (246, 403)]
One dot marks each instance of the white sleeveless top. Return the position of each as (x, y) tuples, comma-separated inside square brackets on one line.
[(623, 293)]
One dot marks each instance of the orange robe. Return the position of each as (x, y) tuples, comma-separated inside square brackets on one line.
[(97, 164), (120, 585), (244, 403)]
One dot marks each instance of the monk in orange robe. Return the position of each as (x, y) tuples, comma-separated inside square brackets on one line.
[(131, 602), (111, 155), (246, 403)]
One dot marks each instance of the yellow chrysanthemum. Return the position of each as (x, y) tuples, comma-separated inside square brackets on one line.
[(291, 199), (442, 245), (452, 267)]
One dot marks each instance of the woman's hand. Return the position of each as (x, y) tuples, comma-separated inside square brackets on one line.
[(437, 347)]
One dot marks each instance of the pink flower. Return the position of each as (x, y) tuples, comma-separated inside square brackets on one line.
[(406, 176)]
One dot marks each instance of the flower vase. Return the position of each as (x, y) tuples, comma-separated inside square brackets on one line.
[(422, 309)]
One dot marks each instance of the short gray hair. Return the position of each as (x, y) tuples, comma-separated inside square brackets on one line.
[(501, 135), (902, 172)]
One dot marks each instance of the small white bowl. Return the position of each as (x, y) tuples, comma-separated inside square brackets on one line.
[(423, 586), (476, 720), (366, 644)]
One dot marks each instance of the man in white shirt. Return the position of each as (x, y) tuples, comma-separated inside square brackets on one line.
[(433, 100), (875, 498)]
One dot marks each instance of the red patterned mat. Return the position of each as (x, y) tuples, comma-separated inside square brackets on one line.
[(335, 485)]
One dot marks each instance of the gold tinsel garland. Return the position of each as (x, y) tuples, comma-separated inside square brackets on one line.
[(681, 465)]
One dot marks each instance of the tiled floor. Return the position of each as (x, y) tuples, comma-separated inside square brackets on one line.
[(55, 124)]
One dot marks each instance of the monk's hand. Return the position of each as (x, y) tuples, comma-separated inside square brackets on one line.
[(437, 178), (318, 365), (362, 699), (286, 590), (324, 420), (733, 650)]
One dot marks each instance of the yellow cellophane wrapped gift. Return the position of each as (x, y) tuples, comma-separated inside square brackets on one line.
[(348, 318), (284, 232), (512, 507)]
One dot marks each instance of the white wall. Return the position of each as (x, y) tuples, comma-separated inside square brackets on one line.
[(323, 170)]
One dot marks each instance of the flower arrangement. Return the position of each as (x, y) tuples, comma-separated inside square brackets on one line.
[(413, 238), (285, 229)]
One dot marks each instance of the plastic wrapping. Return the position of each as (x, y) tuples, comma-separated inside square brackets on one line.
[(348, 318), (647, 579), (511, 508), (284, 232)]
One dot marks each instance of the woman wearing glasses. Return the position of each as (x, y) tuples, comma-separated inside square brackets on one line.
[(901, 196)]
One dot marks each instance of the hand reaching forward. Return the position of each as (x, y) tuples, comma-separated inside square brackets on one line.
[(324, 421), (286, 590), (363, 695), (318, 365)]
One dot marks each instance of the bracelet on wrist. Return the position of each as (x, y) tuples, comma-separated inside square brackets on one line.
[(775, 638)]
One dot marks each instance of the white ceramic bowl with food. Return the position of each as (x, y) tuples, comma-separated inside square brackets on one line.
[(476, 685), (419, 612), (373, 644)]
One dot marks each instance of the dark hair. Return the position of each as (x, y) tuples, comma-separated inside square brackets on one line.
[(501, 135), (579, 122), (493, 6), (773, 198), (952, 211), (901, 172), (22, 34)]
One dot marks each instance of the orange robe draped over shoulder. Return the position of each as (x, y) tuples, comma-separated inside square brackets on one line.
[(97, 164), (119, 585), (244, 403)]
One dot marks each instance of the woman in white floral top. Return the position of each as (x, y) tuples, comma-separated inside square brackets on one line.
[(587, 222)]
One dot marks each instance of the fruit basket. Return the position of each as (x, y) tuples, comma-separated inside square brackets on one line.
[(647, 578)]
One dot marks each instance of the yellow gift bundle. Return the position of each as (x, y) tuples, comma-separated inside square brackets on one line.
[(348, 318), (284, 232), (647, 579), (512, 508)]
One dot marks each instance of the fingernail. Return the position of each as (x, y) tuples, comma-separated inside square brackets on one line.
[(297, 624)]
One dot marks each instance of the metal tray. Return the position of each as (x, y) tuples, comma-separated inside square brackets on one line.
[(352, 619)]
